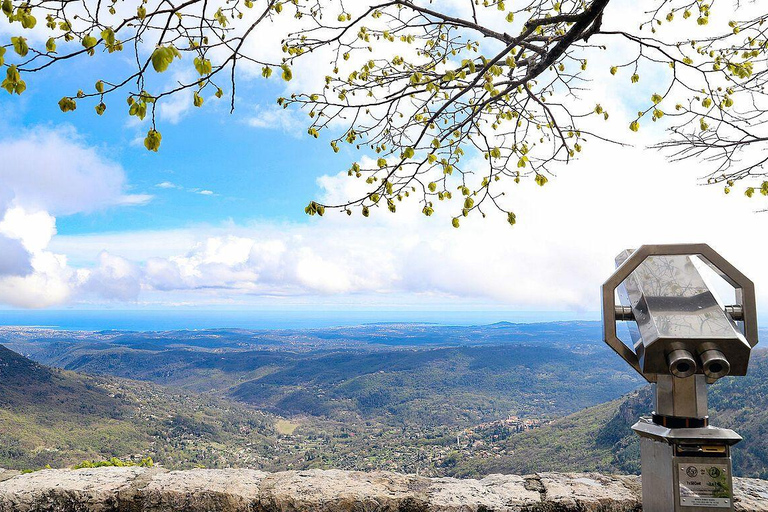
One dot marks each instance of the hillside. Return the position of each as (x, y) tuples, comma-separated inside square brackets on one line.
[(600, 438), (395, 374), (536, 402), (50, 416)]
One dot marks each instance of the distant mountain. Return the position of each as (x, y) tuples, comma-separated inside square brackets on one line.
[(600, 438), (50, 416), (433, 399), (413, 374)]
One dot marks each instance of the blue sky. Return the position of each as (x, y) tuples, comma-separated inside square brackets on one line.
[(215, 219), (253, 172)]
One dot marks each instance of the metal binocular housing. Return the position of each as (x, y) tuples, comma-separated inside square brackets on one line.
[(678, 326), (683, 338)]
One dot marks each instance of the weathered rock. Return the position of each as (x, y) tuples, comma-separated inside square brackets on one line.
[(5, 474), (335, 490), (494, 492), (132, 489), (751, 494), (65, 490), (202, 489), (591, 492)]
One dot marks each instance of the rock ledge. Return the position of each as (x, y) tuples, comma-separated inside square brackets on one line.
[(234, 490)]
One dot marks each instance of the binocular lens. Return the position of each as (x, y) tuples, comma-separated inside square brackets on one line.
[(681, 363), (715, 364)]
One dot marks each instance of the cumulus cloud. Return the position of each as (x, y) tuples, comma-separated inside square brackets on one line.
[(55, 171), (555, 258), (15, 260), (52, 172), (47, 278), (114, 278)]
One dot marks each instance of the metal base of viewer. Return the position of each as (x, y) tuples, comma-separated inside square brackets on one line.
[(690, 467)]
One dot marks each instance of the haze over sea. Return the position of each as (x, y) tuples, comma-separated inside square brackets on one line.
[(163, 320)]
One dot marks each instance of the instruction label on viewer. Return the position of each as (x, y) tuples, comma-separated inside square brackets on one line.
[(704, 485)]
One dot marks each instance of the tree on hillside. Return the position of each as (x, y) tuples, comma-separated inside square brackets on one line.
[(432, 87)]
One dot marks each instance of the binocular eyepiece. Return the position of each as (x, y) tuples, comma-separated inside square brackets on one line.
[(714, 364), (683, 364)]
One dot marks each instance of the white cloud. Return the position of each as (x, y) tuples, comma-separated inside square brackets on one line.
[(114, 278), (54, 171), (555, 258), (47, 281), (15, 260), (277, 118), (168, 185), (50, 172)]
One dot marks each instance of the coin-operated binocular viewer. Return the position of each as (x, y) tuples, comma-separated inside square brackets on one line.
[(683, 338)]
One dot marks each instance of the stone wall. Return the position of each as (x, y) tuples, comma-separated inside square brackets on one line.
[(229, 490)]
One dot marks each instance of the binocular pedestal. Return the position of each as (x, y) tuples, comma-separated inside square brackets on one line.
[(688, 467)]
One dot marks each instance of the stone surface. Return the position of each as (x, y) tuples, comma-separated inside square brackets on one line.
[(752, 494), (131, 489), (5, 474)]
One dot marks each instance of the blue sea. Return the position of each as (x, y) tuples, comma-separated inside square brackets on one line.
[(166, 320)]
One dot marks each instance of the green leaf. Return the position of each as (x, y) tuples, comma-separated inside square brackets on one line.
[(152, 140), (50, 45), (163, 56), (203, 66), (89, 42), (7, 7), (455, 222), (197, 100), (100, 86), (381, 162), (20, 46), (100, 108), (408, 153), (67, 104), (287, 73), (511, 218), (27, 20), (108, 35), (2, 55), (141, 12), (634, 126)]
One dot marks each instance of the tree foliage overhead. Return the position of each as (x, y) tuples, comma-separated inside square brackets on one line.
[(451, 98)]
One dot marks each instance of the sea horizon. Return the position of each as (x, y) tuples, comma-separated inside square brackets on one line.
[(188, 319)]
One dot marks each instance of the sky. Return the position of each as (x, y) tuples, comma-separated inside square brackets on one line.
[(91, 220)]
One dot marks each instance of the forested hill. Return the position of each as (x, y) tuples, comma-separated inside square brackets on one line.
[(600, 438), (398, 374), (54, 417)]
